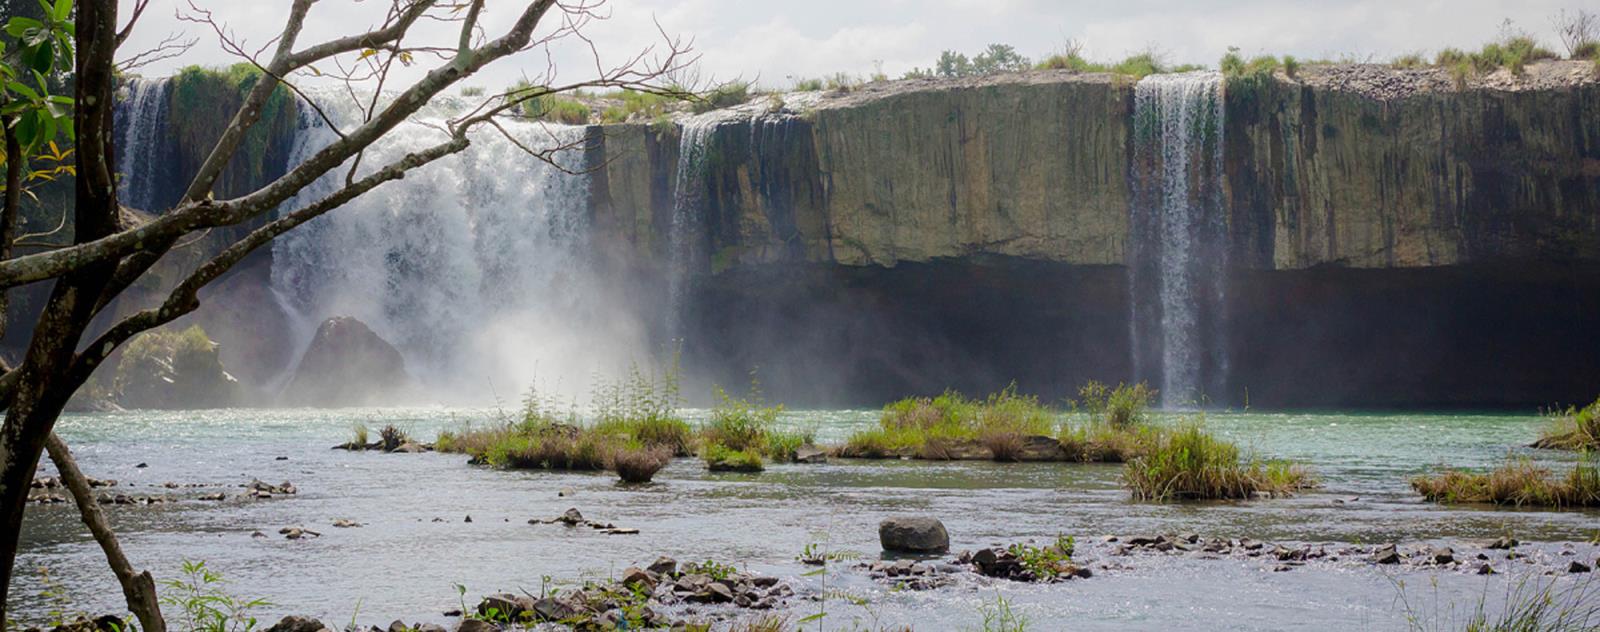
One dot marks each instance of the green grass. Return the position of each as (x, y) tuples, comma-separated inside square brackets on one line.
[(1136, 66), (636, 416), (1575, 429), (747, 424), (1099, 442), (634, 106), (721, 458), (929, 428), (724, 96), (1187, 463), (1121, 407), (1518, 482), (554, 108)]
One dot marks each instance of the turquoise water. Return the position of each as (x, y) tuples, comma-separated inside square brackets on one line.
[(404, 564)]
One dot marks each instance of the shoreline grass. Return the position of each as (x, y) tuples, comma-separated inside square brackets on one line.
[(1519, 482)]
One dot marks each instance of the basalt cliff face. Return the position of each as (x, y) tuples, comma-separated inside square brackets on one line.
[(1390, 238)]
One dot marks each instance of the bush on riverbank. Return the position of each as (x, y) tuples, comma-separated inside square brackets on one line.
[(1518, 482), (1188, 463), (1575, 429)]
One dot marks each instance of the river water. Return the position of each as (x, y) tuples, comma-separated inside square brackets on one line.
[(415, 545)]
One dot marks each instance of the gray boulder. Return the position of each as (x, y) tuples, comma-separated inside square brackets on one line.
[(913, 534)]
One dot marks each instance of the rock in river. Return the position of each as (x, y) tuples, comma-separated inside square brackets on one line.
[(913, 534)]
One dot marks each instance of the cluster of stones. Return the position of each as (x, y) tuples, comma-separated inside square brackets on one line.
[(47, 490), (257, 489), (1287, 558), (573, 518), (636, 596), (912, 574)]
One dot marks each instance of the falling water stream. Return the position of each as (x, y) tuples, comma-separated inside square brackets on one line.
[(1178, 221), (476, 267), (141, 122)]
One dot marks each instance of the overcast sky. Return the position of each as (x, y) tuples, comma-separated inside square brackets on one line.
[(779, 41)]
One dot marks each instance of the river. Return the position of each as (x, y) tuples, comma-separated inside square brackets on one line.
[(415, 545)]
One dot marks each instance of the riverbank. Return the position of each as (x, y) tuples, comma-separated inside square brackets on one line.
[(403, 564)]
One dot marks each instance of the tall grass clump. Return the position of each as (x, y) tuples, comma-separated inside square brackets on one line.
[(637, 429), (1575, 429), (748, 425), (1518, 482), (1121, 407), (1117, 429), (645, 407), (1188, 463), (1531, 604)]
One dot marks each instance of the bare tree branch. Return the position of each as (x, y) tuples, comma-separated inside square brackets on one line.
[(138, 587)]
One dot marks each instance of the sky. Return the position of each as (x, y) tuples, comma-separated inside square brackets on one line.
[(776, 43)]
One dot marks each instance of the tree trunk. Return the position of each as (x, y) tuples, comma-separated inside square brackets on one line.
[(139, 588), (44, 382), (11, 211)]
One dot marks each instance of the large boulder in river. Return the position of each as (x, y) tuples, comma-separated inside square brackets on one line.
[(913, 534), (172, 370), (347, 364)]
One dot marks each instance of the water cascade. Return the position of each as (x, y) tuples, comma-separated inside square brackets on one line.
[(1179, 231), (688, 208), (141, 128), (476, 267)]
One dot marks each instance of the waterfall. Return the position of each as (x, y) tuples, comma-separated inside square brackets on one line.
[(141, 135), (1179, 232), (475, 267), (688, 208)]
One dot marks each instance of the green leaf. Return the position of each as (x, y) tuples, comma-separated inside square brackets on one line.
[(811, 618), (62, 11), (22, 89), (27, 131), (47, 126), (20, 25), (43, 58)]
